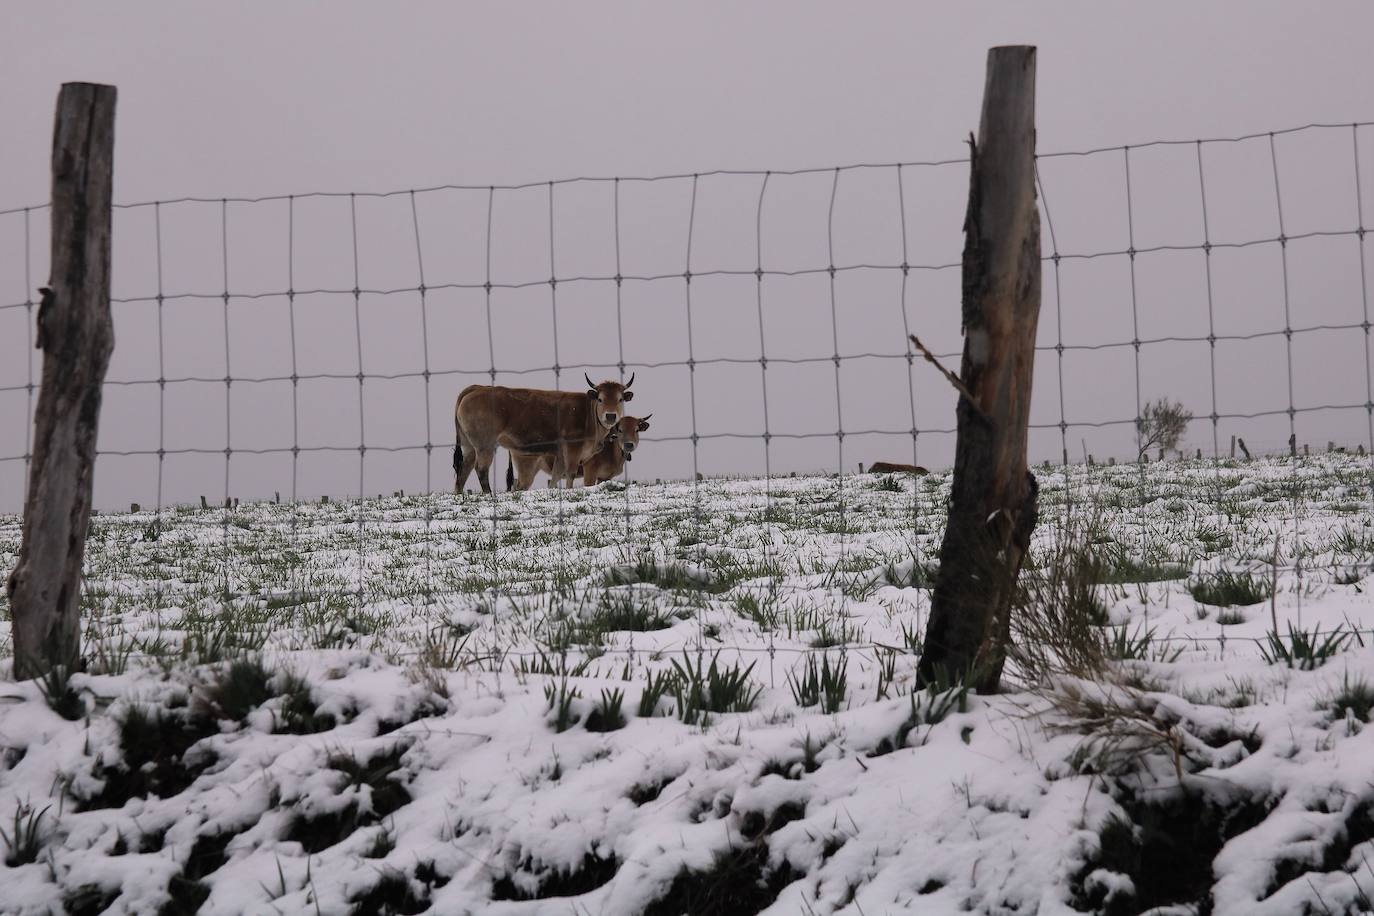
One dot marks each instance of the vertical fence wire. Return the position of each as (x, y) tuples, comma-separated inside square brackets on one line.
[(228, 385), (362, 408), (1364, 306), (429, 431), (563, 563), (1211, 309), (769, 517), (917, 567), (28, 350), (692, 393), (295, 392), (493, 567), (161, 364), (486, 286), (1292, 412), (1055, 259), (763, 345), (620, 338), (1135, 304), (839, 396)]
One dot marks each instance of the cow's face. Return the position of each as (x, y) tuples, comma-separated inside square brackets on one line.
[(608, 400), (627, 434)]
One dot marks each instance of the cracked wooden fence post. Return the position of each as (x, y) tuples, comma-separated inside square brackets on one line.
[(76, 335), (993, 502)]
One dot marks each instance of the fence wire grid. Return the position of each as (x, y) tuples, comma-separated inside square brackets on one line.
[(837, 343)]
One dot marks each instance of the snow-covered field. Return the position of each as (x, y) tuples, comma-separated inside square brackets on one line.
[(475, 705)]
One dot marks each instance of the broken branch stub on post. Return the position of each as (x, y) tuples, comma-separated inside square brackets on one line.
[(993, 498), (76, 335)]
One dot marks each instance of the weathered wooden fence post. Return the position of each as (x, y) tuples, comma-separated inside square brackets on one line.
[(993, 501), (76, 335)]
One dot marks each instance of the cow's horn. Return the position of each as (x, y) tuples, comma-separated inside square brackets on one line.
[(645, 417), (630, 382), (590, 383)]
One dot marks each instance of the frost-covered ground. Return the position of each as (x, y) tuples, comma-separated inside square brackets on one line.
[(410, 705)]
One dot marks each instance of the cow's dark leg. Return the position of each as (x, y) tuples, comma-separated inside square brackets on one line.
[(465, 457), (529, 471), (485, 458)]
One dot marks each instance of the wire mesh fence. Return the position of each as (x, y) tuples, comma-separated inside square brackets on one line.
[(297, 347)]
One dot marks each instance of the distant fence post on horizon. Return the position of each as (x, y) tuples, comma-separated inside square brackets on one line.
[(993, 498), (76, 335)]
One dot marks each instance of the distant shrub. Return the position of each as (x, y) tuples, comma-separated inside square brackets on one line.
[(1162, 424)]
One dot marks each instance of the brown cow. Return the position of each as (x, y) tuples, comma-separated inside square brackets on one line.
[(566, 425), (605, 464)]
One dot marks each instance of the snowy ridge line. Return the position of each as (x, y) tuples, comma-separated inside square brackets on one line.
[(683, 176)]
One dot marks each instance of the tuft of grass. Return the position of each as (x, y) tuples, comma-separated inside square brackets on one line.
[(1304, 650), (561, 699), (700, 691), (155, 749), (667, 576), (1349, 575), (1354, 699), (393, 893), (820, 684), (826, 638), (887, 671), (299, 714), (928, 707), (378, 793), (58, 693), (1057, 613), (25, 840), (656, 687), (382, 843), (606, 715), (1139, 646), (242, 687), (186, 889), (1230, 589), (542, 663), (555, 883), (763, 611), (1124, 570), (622, 612), (739, 880)]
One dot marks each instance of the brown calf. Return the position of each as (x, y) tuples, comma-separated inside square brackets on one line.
[(605, 464), (567, 426)]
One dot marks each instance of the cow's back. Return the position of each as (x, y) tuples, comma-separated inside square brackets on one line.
[(522, 416)]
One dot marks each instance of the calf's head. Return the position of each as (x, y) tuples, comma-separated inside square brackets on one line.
[(626, 434), (608, 400)]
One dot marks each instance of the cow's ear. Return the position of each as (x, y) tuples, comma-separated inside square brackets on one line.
[(628, 396), (643, 425), (593, 394)]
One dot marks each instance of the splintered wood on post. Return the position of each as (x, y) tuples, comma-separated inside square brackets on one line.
[(76, 335), (993, 500)]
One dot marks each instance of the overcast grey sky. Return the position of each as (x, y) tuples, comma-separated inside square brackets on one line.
[(252, 100)]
